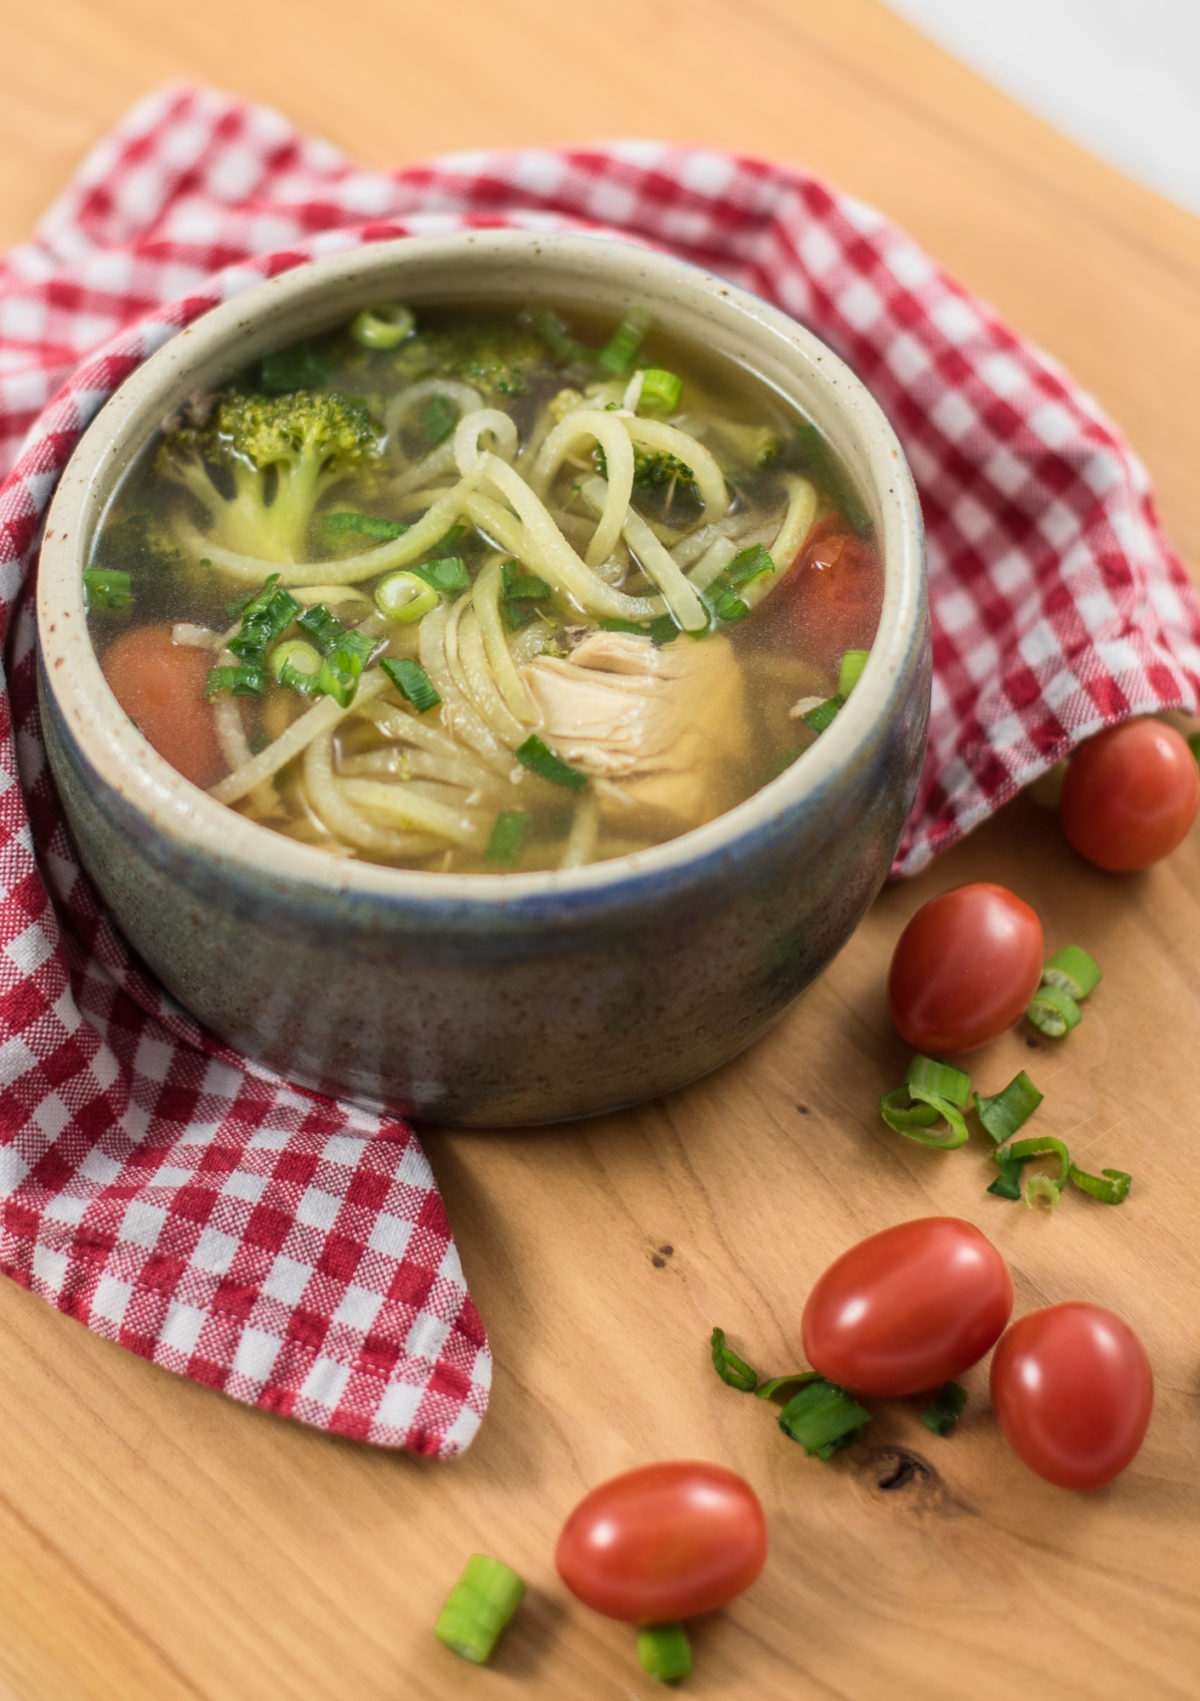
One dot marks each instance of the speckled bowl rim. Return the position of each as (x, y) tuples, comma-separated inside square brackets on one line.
[(122, 757)]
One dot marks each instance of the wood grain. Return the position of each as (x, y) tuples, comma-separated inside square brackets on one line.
[(158, 1542)]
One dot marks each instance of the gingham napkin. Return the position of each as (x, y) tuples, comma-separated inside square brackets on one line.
[(291, 1251)]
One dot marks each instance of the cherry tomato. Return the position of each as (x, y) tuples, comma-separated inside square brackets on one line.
[(964, 969), (1073, 1390), (830, 598), (1130, 795), (907, 1309), (663, 1542), (160, 686)]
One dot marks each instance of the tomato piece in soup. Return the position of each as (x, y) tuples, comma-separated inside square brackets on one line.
[(160, 686), (830, 598)]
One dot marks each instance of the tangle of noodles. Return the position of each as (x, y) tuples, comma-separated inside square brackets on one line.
[(534, 645)]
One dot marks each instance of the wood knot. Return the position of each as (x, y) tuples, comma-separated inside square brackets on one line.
[(897, 1468), (659, 1258), (907, 1481)]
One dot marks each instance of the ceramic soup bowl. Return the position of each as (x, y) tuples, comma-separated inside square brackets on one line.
[(491, 999)]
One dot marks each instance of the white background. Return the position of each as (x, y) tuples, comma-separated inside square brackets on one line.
[(1122, 77)]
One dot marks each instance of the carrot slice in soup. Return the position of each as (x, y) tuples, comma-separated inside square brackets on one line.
[(160, 686)]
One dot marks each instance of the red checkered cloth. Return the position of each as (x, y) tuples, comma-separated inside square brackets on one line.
[(291, 1251)]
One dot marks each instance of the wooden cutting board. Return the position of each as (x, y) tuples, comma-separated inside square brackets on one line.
[(158, 1542)]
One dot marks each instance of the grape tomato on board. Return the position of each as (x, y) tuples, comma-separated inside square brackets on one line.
[(964, 969), (907, 1309), (1073, 1391), (663, 1542)]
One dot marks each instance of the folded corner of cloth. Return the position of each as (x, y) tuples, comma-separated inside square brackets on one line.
[(291, 1251)]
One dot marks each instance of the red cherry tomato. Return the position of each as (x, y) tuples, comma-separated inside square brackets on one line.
[(160, 686), (964, 969), (1073, 1390), (663, 1542), (907, 1309), (830, 598), (1130, 795)]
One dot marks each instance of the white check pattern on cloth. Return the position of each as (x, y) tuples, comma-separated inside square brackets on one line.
[(294, 1252)]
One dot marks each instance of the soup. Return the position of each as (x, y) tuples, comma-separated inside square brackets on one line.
[(476, 592)]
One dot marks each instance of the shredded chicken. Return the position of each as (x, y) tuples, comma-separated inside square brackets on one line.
[(668, 725)]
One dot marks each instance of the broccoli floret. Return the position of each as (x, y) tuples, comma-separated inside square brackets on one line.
[(743, 450), (260, 464), (137, 541), (499, 357), (658, 478)]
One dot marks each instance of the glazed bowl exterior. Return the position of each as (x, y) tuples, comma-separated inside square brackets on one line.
[(490, 1000)]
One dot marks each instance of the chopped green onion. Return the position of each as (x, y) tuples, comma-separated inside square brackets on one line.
[(900, 1114), (748, 564), (926, 1075), (824, 714), (106, 588), (265, 617), (850, 671), (383, 326), (798, 1378), (1037, 1187), (541, 760), (1041, 1190), (1073, 972), (447, 575), (660, 391), (945, 1409), (325, 629), (517, 589), (729, 1367), (343, 520), (618, 354), (522, 587), (507, 837), (823, 1418), (659, 631), (557, 339), (1042, 1146), (296, 665), (1007, 1184), (478, 1607), (342, 668), (1001, 1115), (234, 608), (1111, 1186), (343, 651), (665, 1652), (295, 368), (724, 604), (438, 419), (940, 1092), (410, 678), (405, 597), (246, 680), (1053, 1012)]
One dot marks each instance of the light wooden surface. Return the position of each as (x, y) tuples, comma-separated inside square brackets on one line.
[(158, 1542)]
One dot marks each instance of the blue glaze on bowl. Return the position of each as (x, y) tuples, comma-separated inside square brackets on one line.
[(491, 1000)]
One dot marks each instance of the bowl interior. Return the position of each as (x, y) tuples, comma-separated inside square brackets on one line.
[(493, 267)]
